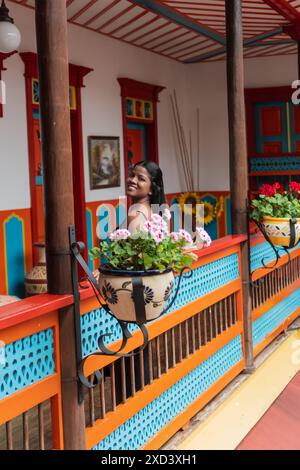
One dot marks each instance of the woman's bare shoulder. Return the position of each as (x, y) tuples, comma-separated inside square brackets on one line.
[(138, 210)]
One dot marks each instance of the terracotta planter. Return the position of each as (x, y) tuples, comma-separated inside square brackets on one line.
[(279, 232), (36, 279), (117, 291)]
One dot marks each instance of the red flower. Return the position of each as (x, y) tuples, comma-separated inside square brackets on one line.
[(277, 186), (294, 186), (267, 190)]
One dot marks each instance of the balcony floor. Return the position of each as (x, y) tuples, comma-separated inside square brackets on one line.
[(253, 406)]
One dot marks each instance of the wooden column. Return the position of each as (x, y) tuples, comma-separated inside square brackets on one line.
[(298, 44), (293, 30), (238, 156), (52, 46)]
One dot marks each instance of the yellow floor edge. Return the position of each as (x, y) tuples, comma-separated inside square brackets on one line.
[(227, 426)]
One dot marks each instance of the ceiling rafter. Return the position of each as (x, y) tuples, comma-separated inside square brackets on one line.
[(187, 31), (180, 19), (285, 9)]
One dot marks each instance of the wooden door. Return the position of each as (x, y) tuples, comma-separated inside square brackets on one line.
[(136, 143), (273, 134)]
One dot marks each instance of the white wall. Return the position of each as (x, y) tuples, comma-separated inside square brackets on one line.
[(206, 83), (101, 105), (14, 173), (199, 85)]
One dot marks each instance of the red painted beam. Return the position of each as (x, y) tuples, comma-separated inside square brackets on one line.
[(284, 9)]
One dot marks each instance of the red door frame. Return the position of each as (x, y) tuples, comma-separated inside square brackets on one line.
[(76, 75), (259, 95), (143, 91)]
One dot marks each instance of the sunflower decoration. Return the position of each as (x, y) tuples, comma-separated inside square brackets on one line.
[(209, 212), (212, 211), (219, 207), (188, 202)]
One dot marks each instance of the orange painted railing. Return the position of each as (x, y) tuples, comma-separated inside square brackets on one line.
[(275, 293), (186, 348), (112, 421), (29, 335)]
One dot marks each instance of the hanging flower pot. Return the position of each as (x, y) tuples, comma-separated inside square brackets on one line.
[(280, 232), (277, 213), (123, 290), (137, 278)]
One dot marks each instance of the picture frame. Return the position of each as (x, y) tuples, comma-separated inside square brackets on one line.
[(104, 162)]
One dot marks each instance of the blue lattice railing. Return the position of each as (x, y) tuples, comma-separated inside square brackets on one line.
[(265, 164), (268, 322), (264, 251), (143, 426), (26, 361)]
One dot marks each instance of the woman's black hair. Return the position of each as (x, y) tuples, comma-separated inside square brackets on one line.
[(157, 183)]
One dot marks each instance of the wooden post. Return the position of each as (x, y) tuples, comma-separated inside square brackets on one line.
[(238, 156), (293, 30), (298, 44), (52, 40)]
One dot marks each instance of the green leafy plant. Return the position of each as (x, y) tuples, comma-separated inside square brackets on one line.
[(275, 202), (151, 248)]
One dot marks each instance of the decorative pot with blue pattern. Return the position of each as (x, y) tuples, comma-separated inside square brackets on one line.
[(117, 290)]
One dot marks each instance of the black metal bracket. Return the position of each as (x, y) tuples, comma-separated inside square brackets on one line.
[(76, 248), (276, 249)]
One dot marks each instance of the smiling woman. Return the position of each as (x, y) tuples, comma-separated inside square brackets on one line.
[(146, 189)]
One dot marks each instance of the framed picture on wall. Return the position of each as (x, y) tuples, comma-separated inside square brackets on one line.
[(104, 162)]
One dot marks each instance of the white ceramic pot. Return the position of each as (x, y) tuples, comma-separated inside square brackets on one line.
[(117, 291), (278, 230)]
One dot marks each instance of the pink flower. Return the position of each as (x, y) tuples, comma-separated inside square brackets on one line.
[(184, 235), (156, 234), (167, 214), (174, 236), (203, 236), (120, 234), (164, 227), (147, 226), (157, 219), (158, 237)]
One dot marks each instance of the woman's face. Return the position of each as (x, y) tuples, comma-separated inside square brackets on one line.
[(138, 183)]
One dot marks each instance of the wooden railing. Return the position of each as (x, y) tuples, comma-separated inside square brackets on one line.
[(194, 352), (181, 345), (30, 383), (275, 293)]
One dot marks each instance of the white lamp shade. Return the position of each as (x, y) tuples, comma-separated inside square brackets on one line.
[(10, 37)]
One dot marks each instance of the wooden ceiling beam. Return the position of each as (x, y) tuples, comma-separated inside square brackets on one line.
[(284, 9)]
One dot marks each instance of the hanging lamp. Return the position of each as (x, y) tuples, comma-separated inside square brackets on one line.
[(10, 36)]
